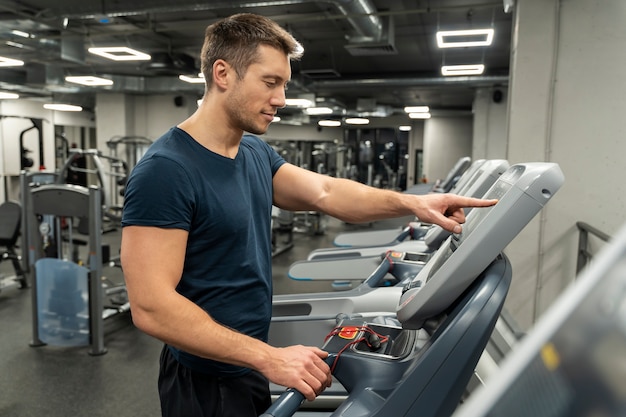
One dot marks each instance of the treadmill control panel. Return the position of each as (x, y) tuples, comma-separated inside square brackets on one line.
[(522, 192)]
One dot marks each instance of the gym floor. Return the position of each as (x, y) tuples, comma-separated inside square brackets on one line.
[(67, 381)]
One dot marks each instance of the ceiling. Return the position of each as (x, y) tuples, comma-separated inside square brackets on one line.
[(368, 56)]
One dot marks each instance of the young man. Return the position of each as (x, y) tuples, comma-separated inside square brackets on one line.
[(196, 243)]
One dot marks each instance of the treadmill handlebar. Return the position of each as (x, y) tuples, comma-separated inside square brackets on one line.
[(289, 401)]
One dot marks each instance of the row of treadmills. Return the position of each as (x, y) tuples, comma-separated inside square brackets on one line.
[(422, 325)]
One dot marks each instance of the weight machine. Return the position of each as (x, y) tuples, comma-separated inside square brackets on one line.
[(68, 297)]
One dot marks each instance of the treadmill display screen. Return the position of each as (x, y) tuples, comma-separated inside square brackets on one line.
[(474, 218)]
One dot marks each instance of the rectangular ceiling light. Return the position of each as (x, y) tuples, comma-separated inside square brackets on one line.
[(419, 115), (357, 121), (329, 123), (10, 62), (21, 33), (5, 95), (299, 102), (193, 80), (62, 107), (120, 53), (88, 80), (464, 38), (462, 69), (416, 109), (316, 111)]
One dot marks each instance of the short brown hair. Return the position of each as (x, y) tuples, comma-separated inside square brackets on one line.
[(236, 39)]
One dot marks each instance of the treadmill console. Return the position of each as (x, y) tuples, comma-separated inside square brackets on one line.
[(522, 192)]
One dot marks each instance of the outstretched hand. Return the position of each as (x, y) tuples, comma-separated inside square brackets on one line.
[(446, 210)]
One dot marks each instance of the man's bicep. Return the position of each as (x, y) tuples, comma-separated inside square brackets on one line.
[(152, 256), (296, 188)]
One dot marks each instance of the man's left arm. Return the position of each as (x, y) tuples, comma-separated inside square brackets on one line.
[(350, 201)]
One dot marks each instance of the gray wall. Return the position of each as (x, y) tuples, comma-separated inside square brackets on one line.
[(566, 104)]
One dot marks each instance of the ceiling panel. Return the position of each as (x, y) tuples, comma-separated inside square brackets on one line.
[(400, 66)]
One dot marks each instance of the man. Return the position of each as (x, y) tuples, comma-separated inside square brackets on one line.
[(196, 242)]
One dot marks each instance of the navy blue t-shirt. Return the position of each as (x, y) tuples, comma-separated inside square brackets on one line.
[(225, 205)]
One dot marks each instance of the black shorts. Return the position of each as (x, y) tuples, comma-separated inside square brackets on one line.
[(185, 393)]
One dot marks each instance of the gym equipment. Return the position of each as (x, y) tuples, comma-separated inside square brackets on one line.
[(445, 185), (27, 180), (571, 363), (445, 314), (68, 298), (82, 164), (453, 176), (282, 230), (474, 182), (133, 148), (414, 230), (476, 186), (10, 226)]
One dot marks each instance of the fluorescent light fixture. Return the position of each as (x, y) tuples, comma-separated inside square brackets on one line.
[(299, 102), (464, 38), (14, 44), (62, 107), (462, 69), (419, 115), (416, 109), (404, 128), (314, 111), (357, 121), (10, 62), (120, 53), (88, 80), (329, 123), (193, 80), (4, 95), (276, 119), (21, 33)]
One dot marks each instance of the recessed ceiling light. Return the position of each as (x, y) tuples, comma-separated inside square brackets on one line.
[(193, 80), (329, 123), (357, 121), (120, 53), (419, 115), (404, 128), (88, 80), (21, 33), (312, 111), (4, 95), (462, 69), (62, 107), (10, 62), (416, 109), (299, 102), (464, 38)]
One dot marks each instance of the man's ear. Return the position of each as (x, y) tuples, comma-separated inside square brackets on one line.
[(221, 73)]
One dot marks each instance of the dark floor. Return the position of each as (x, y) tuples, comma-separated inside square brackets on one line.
[(67, 381)]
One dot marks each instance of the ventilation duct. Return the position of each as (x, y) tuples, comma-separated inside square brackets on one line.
[(383, 45), (163, 63)]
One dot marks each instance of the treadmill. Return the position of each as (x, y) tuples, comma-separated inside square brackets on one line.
[(420, 362), (476, 186), (571, 363)]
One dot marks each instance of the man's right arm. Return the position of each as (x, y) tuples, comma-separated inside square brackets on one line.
[(152, 261)]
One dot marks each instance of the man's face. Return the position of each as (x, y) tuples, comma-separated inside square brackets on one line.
[(254, 100)]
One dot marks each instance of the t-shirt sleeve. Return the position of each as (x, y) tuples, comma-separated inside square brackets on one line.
[(158, 193), (276, 161)]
